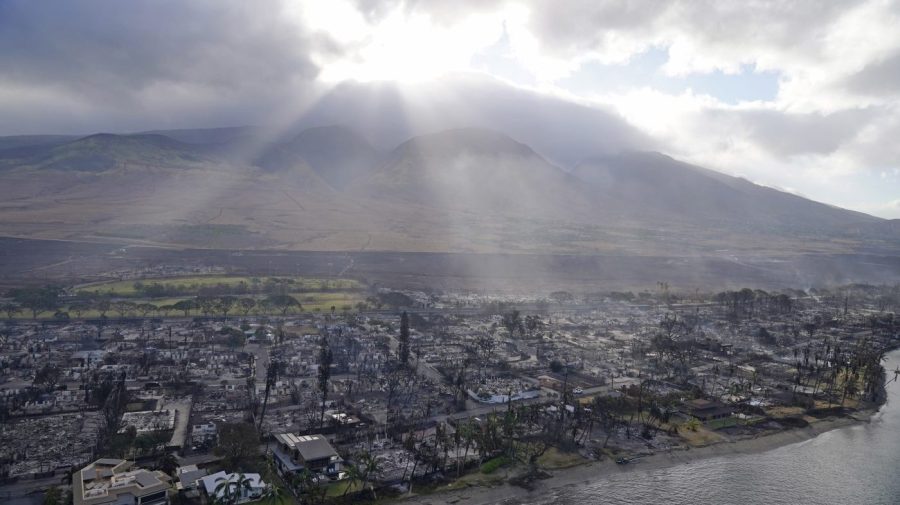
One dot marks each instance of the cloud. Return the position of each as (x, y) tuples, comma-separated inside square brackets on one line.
[(127, 64), (563, 131), (786, 134), (878, 78)]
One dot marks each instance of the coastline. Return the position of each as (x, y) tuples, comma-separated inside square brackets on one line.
[(591, 471)]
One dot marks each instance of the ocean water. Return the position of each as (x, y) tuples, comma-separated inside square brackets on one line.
[(854, 465)]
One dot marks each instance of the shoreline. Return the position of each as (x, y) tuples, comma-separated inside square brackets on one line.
[(593, 471)]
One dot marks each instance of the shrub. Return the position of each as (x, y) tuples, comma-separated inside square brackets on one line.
[(491, 465)]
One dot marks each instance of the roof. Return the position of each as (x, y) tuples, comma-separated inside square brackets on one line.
[(189, 474), (104, 480), (210, 482), (701, 404), (310, 447)]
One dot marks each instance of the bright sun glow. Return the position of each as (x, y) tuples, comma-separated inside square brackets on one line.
[(403, 47)]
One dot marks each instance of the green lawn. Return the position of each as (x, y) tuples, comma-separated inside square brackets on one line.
[(717, 424), (339, 488), (311, 302), (195, 283), (314, 294), (287, 499)]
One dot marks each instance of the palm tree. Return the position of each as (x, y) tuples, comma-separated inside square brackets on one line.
[(308, 487), (370, 469), (274, 494), (354, 475), (224, 492), (228, 491)]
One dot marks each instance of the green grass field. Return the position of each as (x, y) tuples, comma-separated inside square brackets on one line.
[(314, 295), (311, 302), (196, 283)]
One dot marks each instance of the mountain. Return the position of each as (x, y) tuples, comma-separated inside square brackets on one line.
[(659, 186), (226, 135), (458, 190), (336, 153), (389, 113), (32, 141), (102, 152), (475, 170)]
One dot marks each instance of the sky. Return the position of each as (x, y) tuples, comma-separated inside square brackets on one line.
[(800, 95)]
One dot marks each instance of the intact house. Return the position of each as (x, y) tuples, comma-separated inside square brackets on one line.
[(188, 480), (114, 482), (706, 410), (312, 452), (246, 487)]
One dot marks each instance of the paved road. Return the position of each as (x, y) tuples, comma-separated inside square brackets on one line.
[(28, 492), (260, 361)]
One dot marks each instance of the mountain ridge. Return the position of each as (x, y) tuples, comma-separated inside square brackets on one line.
[(462, 189)]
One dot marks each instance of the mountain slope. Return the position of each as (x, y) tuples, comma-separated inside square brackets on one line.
[(337, 154), (466, 190), (658, 186), (479, 171), (104, 151)]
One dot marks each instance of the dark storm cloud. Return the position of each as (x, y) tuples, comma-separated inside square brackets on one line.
[(167, 61)]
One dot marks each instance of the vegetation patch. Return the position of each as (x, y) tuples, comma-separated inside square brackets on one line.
[(492, 465), (555, 459)]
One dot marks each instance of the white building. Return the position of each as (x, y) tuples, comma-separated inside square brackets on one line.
[(252, 491), (113, 482)]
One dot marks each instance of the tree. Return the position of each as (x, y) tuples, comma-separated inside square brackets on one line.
[(145, 308), (238, 442), (206, 304), (236, 338), (53, 496), (10, 309), (284, 303), (325, 359), (512, 321), (556, 366), (102, 306), (370, 470), (229, 491), (78, 308), (246, 305), (168, 464), (48, 376), (225, 304), (271, 379), (123, 307), (37, 300), (354, 475), (185, 306), (692, 424), (309, 489), (403, 347), (274, 494)]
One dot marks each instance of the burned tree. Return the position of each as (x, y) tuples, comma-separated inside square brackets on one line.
[(325, 359)]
